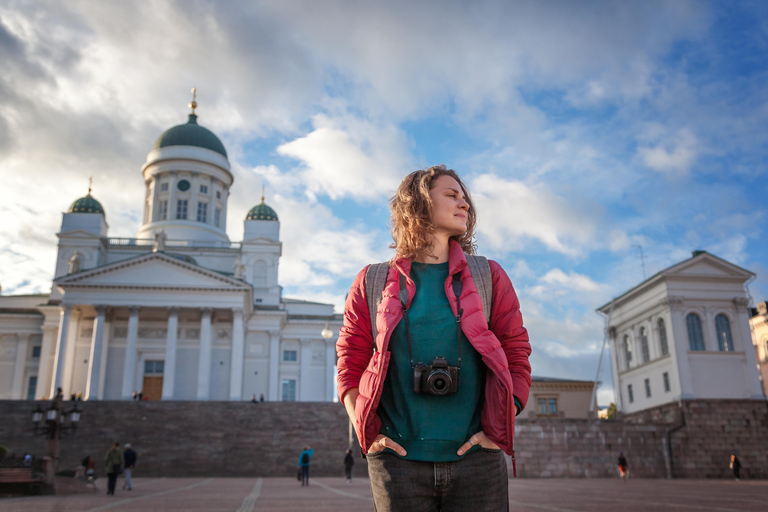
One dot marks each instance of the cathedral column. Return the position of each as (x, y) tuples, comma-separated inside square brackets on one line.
[(274, 365), (224, 203), (105, 340), (20, 366), (238, 349), (304, 381), (95, 359), (57, 378), (129, 366), (172, 196), (171, 337), (69, 355), (204, 366), (330, 362), (44, 364), (195, 189)]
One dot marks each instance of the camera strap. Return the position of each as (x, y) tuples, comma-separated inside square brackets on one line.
[(403, 294)]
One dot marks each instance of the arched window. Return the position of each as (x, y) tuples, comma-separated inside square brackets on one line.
[(663, 346), (724, 338), (646, 352), (260, 274), (695, 335), (627, 351)]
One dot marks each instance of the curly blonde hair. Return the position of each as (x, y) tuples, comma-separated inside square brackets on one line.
[(411, 214)]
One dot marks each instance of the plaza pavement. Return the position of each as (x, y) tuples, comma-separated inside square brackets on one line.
[(333, 494)]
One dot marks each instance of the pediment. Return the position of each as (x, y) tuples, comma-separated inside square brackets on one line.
[(155, 270), (707, 265)]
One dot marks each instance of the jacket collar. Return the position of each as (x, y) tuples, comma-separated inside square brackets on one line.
[(456, 260)]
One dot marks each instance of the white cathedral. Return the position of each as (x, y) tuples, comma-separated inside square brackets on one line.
[(179, 312)]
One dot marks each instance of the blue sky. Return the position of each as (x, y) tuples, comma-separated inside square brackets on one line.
[(584, 129)]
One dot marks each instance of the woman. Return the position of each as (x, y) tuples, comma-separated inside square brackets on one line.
[(434, 441)]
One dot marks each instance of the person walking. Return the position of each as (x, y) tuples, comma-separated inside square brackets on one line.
[(623, 466), (349, 461), (129, 462), (735, 466), (112, 462), (433, 357), (304, 458)]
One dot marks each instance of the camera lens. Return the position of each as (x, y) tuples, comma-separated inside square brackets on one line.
[(439, 382)]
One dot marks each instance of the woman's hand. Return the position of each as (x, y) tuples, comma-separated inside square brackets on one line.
[(382, 442), (479, 438)]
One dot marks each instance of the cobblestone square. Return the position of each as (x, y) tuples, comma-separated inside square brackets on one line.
[(333, 494)]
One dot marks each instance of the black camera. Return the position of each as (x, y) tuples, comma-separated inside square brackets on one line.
[(437, 378)]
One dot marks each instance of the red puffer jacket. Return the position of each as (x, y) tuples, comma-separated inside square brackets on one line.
[(504, 347)]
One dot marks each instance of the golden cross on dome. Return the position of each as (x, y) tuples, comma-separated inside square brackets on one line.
[(262, 193), (193, 105), (90, 184)]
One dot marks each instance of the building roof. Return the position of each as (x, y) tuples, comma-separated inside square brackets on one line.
[(190, 134), (261, 212), (87, 204), (563, 381), (662, 273)]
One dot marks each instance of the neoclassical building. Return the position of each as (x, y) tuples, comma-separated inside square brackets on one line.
[(180, 312), (683, 333)]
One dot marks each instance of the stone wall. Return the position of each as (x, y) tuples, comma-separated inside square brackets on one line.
[(178, 438), (175, 438), (710, 431)]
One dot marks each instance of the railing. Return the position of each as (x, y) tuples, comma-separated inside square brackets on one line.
[(149, 242)]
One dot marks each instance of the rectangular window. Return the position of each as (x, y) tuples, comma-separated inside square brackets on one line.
[(289, 390), (648, 388), (32, 388), (631, 395), (36, 351), (289, 355), (217, 217), (553, 406), (666, 382), (203, 189), (154, 367), (181, 209), (162, 211), (542, 406), (202, 212), (218, 194), (163, 187)]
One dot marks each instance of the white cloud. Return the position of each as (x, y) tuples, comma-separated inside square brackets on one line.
[(512, 214), (350, 157), (676, 154)]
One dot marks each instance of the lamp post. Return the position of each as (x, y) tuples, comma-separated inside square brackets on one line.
[(54, 425)]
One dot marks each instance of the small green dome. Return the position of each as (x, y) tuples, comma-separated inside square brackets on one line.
[(86, 204), (190, 134), (261, 212)]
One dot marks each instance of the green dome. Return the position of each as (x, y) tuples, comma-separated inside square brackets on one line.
[(261, 212), (190, 134), (86, 204)]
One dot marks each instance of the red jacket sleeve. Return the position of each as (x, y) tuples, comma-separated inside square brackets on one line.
[(507, 325), (355, 344)]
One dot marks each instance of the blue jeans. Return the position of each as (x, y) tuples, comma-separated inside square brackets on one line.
[(305, 475), (478, 482)]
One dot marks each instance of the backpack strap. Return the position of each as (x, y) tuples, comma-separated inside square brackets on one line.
[(375, 279), (481, 275)]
